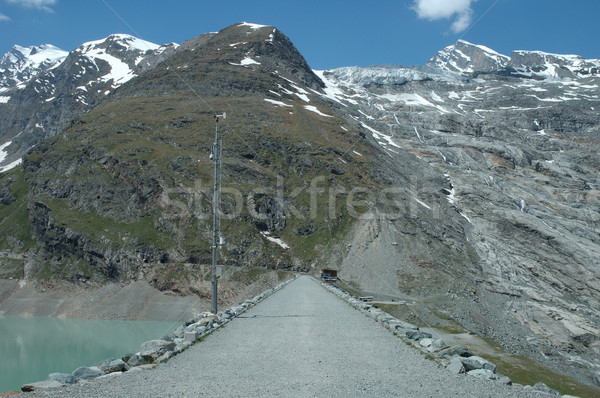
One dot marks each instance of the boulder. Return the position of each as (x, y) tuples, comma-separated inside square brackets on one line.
[(484, 374), (403, 325), (87, 372), (426, 342), (227, 315), (453, 351), (437, 345), (153, 349), (418, 335), (201, 330), (190, 336), (126, 357), (116, 365), (505, 380), (109, 375), (544, 388), (41, 385), (474, 362), (135, 360), (165, 357), (63, 378), (179, 332), (104, 364), (456, 366), (181, 346)]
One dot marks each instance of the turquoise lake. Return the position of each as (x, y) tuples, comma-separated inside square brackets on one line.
[(33, 347)]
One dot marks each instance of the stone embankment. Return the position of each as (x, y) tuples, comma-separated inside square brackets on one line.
[(154, 352), (456, 359)]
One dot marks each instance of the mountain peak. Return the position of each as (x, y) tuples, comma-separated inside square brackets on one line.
[(253, 26), (550, 65), (465, 57), (21, 64), (258, 46), (118, 40)]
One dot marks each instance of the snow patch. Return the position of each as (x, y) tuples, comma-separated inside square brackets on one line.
[(4, 100), (332, 91), (465, 216), (380, 136), (3, 153), (300, 92), (412, 99), (253, 26), (277, 241), (11, 165), (315, 110), (278, 103), (246, 62), (422, 203), (452, 196)]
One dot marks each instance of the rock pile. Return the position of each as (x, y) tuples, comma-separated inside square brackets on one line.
[(154, 352)]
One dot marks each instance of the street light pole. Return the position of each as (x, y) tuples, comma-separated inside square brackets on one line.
[(216, 152)]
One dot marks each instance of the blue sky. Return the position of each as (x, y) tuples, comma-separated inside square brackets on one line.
[(329, 33)]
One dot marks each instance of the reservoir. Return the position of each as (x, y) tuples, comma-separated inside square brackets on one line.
[(33, 347)]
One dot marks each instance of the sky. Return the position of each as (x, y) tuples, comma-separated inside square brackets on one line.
[(329, 33)]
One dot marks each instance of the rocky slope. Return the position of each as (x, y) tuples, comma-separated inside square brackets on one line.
[(513, 149), (468, 186), (124, 192)]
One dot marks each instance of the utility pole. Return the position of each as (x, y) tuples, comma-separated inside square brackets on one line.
[(216, 241)]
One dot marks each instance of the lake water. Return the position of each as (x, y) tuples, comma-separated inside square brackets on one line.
[(33, 347)]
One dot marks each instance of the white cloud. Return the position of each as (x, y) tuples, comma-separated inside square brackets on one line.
[(433, 10), (39, 4), (4, 18)]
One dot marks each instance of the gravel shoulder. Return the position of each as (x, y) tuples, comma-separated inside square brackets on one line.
[(301, 341)]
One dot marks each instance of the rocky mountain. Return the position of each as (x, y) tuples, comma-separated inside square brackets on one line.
[(514, 154), (467, 188), (464, 57), (21, 64), (44, 89), (123, 192)]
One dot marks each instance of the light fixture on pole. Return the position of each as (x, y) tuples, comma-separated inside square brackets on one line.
[(216, 241)]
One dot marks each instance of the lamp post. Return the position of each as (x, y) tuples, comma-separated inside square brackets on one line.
[(216, 157)]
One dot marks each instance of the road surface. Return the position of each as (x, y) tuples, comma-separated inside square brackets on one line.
[(302, 341)]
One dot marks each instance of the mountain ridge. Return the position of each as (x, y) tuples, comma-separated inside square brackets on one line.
[(473, 194), (535, 64), (59, 92), (465, 57)]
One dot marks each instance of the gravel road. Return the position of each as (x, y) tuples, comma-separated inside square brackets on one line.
[(302, 341)]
